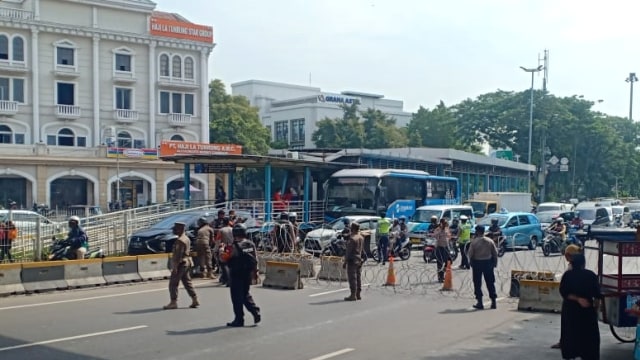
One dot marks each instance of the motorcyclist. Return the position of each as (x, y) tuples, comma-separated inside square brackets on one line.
[(494, 231), (558, 230), (577, 221), (77, 238), (400, 234), (454, 230), (433, 224)]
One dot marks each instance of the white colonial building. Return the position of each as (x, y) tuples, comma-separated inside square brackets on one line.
[(291, 112), (82, 81)]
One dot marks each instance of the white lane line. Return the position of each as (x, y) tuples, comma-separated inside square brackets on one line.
[(333, 354), (92, 298), (70, 338), (332, 291)]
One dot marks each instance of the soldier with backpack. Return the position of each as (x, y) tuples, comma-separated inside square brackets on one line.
[(243, 267)]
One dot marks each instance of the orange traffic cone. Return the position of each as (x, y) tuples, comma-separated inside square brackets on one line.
[(391, 274), (448, 278)]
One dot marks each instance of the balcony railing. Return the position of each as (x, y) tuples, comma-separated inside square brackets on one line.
[(19, 14), (126, 115), (8, 107), (68, 111), (179, 119)]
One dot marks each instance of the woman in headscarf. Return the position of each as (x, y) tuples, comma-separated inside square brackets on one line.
[(579, 332)]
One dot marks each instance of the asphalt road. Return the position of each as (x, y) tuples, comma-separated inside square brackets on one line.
[(126, 322)]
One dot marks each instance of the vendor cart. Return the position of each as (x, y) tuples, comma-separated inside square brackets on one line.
[(621, 290)]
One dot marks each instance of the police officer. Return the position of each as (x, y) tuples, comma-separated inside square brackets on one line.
[(204, 238), (384, 225), (181, 264), (484, 258), (353, 262), (243, 265), (463, 241)]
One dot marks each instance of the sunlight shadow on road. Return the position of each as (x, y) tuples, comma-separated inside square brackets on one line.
[(328, 302), (198, 331), (140, 311)]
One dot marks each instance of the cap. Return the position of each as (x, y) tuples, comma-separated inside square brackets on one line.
[(463, 217), (572, 249), (479, 229), (179, 224)]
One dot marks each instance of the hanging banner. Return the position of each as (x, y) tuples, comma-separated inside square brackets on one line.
[(147, 154), (173, 148), (173, 28)]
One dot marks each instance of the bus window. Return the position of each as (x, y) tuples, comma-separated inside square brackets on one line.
[(403, 189), (357, 193)]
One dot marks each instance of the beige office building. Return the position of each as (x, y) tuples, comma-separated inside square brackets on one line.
[(88, 90)]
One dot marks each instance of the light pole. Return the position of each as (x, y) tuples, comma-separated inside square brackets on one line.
[(631, 79), (532, 71)]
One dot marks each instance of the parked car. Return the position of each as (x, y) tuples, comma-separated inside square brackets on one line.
[(317, 240), (518, 228), (594, 213), (554, 206), (159, 238), (546, 217), (27, 222)]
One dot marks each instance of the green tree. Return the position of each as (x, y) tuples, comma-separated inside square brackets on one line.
[(233, 120), (439, 128)]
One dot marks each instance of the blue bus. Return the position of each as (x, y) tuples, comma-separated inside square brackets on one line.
[(386, 192)]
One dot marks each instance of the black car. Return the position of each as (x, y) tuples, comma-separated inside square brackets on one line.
[(160, 238)]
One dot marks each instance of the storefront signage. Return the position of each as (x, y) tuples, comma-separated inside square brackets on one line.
[(336, 99), (148, 154), (161, 26), (173, 148), (228, 168)]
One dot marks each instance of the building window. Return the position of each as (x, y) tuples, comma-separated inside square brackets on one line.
[(176, 67), (282, 131), (188, 68), (164, 65), (66, 137), (124, 140), (177, 103), (12, 89), (138, 144), (4, 47), (177, 138), (65, 56), (297, 131), (18, 48), (124, 98), (19, 138), (66, 93), (123, 62), (5, 135)]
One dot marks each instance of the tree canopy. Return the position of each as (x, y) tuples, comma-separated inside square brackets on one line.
[(233, 120)]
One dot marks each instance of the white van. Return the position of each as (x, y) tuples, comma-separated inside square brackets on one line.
[(420, 220), (594, 213), (554, 206)]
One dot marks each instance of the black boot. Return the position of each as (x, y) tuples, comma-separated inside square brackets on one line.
[(236, 323), (493, 304), (479, 305)]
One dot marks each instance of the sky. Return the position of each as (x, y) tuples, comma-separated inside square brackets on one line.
[(426, 51)]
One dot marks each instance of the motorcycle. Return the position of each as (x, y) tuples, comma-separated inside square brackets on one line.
[(552, 243), (499, 240), (429, 251), (61, 250), (338, 247), (404, 253)]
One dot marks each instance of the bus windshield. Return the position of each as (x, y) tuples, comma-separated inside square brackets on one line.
[(351, 195)]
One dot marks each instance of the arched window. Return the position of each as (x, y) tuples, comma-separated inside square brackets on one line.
[(4, 47), (66, 137), (18, 49), (188, 68), (176, 67), (6, 135), (164, 65), (124, 140), (177, 138)]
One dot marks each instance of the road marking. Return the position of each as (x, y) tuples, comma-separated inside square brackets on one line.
[(332, 291), (333, 354), (70, 338)]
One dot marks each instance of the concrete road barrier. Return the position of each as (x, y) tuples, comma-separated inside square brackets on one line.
[(87, 272), (331, 269), (517, 275), (282, 275), (43, 276), (120, 269), (154, 267), (541, 296), (10, 282)]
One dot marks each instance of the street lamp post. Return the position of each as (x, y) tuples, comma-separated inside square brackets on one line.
[(532, 71), (631, 79)]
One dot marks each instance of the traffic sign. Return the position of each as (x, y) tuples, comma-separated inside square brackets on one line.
[(553, 160), (564, 167), (564, 161), (227, 168)]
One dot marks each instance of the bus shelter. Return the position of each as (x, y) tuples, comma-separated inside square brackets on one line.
[(229, 163)]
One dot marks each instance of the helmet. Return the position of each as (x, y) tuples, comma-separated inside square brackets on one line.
[(74, 218), (284, 216), (463, 217), (346, 221), (202, 221), (239, 230), (293, 216), (402, 218), (494, 220), (559, 219), (433, 217)]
